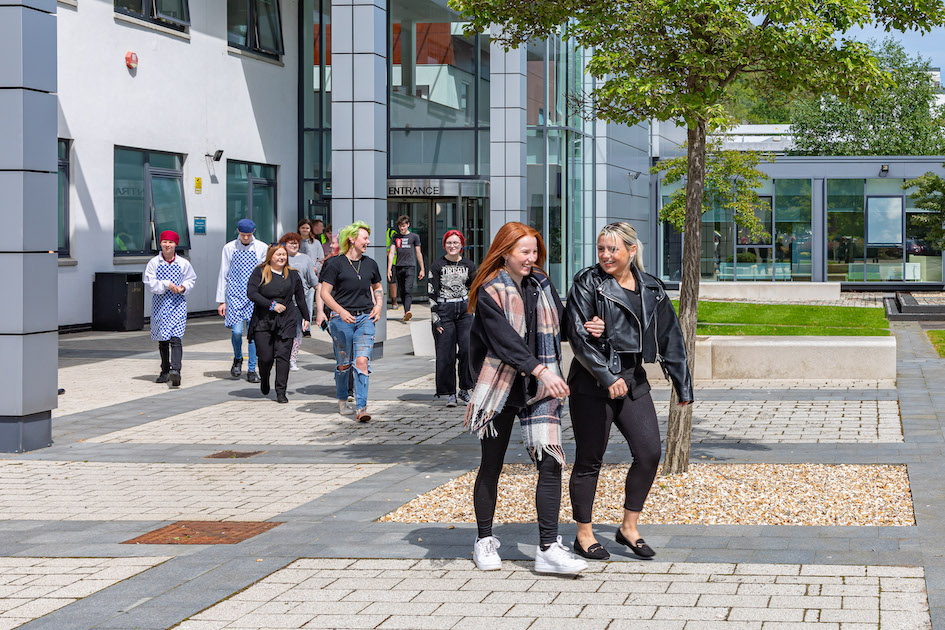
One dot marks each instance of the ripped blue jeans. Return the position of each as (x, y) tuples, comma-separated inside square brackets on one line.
[(352, 341)]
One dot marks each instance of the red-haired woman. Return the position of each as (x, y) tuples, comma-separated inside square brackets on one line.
[(450, 278), (271, 287), (515, 355)]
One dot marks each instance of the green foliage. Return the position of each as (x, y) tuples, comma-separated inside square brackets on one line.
[(748, 104), (731, 182), (900, 118), (929, 196)]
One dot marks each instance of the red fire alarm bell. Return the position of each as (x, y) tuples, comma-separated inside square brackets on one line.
[(131, 60)]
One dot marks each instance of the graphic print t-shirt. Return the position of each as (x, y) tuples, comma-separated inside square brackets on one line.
[(406, 252), (449, 281)]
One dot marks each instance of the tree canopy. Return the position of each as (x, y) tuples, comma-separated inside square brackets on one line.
[(899, 118)]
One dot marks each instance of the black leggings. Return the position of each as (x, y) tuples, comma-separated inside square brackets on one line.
[(486, 490), (271, 348), (171, 354), (591, 418), (405, 277)]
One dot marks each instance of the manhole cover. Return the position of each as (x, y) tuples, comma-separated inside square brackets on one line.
[(233, 454), (203, 533)]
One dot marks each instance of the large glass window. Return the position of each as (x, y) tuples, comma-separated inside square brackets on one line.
[(845, 230), (315, 51), (172, 13), (792, 232), (149, 198), (439, 79), (560, 204), (64, 146), (251, 194), (923, 258), (255, 25)]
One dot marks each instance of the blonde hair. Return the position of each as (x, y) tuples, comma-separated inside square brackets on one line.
[(624, 232), (349, 232)]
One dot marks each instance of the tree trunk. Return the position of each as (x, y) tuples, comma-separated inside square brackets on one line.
[(679, 430)]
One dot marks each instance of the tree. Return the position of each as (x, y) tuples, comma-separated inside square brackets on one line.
[(750, 106), (900, 119), (929, 196), (677, 59)]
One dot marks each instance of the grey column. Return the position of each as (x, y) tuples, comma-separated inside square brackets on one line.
[(359, 124), (28, 198), (507, 139)]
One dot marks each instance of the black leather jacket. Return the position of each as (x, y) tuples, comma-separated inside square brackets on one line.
[(658, 337)]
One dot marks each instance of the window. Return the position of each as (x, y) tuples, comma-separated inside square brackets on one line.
[(172, 13), (255, 25), (64, 197), (149, 198), (251, 194)]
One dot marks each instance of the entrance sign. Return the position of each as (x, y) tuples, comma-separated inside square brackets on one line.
[(437, 188)]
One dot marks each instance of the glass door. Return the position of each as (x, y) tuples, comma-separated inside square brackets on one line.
[(884, 246), (420, 212)]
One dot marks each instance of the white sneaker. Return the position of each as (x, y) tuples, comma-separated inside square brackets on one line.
[(558, 560), (486, 555), (293, 366), (345, 408)]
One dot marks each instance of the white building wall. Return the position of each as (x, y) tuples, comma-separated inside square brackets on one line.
[(623, 180), (189, 95)]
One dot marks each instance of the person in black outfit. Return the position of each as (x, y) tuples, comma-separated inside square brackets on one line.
[(405, 247), (608, 382), (271, 287), (515, 347), (450, 277)]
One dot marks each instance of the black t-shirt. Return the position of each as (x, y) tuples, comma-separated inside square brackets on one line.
[(406, 245), (353, 293), (636, 302)]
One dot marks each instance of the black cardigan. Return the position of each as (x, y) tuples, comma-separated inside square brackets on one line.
[(281, 290)]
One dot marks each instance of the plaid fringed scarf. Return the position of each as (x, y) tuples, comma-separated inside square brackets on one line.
[(541, 418)]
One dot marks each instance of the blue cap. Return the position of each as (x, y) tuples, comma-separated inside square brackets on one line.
[(246, 226)]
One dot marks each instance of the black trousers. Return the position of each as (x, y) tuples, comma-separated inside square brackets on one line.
[(486, 489), (456, 324), (171, 354), (271, 348), (591, 418), (405, 277)]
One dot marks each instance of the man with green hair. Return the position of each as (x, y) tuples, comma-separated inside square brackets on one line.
[(351, 288)]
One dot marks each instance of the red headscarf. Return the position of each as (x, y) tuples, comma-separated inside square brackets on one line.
[(170, 235)]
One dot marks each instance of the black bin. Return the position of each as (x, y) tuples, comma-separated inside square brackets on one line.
[(118, 301)]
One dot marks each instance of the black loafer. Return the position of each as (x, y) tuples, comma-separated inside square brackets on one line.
[(281, 398), (162, 378), (594, 552), (640, 548)]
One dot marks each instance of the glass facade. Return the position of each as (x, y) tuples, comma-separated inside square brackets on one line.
[(251, 194), (439, 93), (560, 162), (149, 198), (316, 109), (874, 233)]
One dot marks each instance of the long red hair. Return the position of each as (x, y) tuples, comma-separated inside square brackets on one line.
[(503, 243)]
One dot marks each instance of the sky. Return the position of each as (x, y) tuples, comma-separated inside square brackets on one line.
[(931, 45)]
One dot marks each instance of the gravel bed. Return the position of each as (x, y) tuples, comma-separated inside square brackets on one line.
[(709, 494)]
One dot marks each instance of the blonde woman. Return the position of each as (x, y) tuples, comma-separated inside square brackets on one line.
[(271, 287), (608, 383)]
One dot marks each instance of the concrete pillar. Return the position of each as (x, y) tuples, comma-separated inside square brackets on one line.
[(359, 124), (28, 194), (507, 139)]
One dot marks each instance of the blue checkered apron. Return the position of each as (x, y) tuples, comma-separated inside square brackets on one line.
[(168, 310), (239, 308)]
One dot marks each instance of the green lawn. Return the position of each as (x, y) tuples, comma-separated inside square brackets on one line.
[(733, 318), (937, 337)]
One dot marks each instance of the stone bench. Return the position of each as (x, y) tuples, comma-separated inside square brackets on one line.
[(773, 291)]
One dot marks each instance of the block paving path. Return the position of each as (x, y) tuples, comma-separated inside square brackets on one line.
[(130, 456)]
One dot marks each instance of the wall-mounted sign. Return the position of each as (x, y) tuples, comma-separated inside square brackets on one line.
[(200, 225), (411, 191), (198, 185), (437, 188)]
